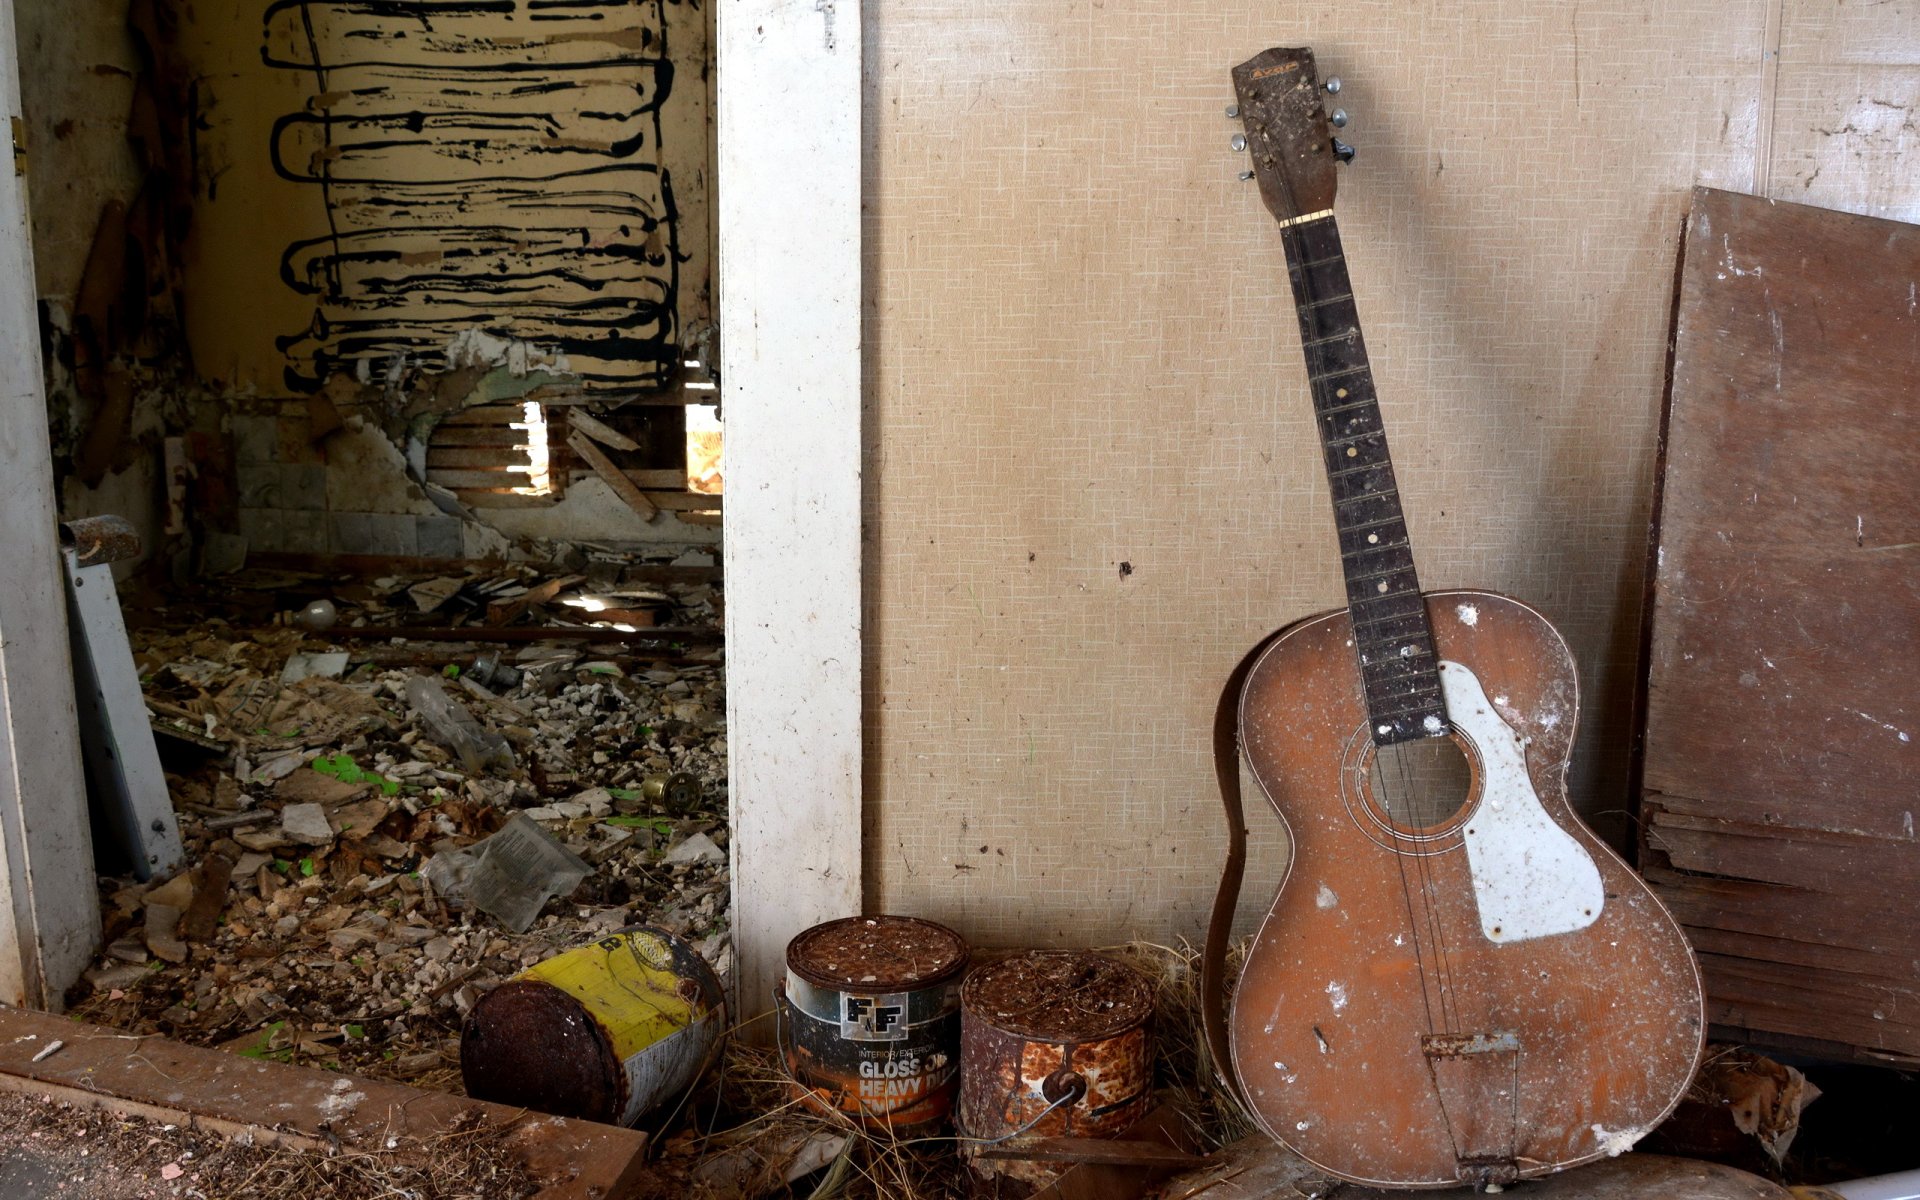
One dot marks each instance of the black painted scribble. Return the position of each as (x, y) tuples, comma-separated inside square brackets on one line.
[(486, 165)]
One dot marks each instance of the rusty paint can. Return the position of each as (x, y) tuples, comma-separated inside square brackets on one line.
[(1053, 1044), (870, 1018), (605, 1031)]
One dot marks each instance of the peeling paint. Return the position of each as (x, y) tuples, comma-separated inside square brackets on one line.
[(480, 348)]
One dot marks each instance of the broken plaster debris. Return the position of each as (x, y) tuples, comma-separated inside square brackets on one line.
[(330, 797)]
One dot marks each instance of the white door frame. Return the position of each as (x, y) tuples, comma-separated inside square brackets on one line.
[(46, 847), (789, 301)]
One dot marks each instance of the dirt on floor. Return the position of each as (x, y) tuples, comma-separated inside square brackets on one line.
[(53, 1149)]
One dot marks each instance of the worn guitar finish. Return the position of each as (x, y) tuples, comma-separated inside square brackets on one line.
[(1478, 995), (1374, 946)]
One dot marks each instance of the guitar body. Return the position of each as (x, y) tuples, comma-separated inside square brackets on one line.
[(1488, 997)]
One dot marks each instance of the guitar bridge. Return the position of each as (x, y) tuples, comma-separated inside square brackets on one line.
[(1476, 1080), (1488, 1174), (1464, 1045)]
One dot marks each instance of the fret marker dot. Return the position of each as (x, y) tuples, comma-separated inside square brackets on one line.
[(1341, 393), (1353, 451), (1372, 538), (1383, 585)]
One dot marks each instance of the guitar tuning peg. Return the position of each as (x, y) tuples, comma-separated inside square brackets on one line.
[(1233, 110), (1245, 175), (1238, 141), (1342, 151), (1338, 117), (1332, 85)]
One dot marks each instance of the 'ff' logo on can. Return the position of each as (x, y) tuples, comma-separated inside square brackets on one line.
[(874, 1018)]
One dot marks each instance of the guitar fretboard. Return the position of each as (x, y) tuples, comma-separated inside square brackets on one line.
[(1391, 636)]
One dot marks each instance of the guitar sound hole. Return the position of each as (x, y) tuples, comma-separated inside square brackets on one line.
[(1420, 784)]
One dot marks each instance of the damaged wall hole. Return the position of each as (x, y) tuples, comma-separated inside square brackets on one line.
[(527, 453), (539, 454)]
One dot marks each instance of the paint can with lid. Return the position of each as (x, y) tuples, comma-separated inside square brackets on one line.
[(606, 1031), (870, 1018), (1053, 1044)]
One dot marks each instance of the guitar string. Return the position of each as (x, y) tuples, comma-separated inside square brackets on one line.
[(1420, 817), (1449, 993), (1293, 238), (1437, 978), (1424, 874), (1413, 927), (1417, 816)]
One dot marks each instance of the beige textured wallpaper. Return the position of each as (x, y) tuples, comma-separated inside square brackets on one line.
[(1092, 477)]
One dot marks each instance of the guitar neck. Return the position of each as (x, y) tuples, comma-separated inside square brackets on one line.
[(1391, 636)]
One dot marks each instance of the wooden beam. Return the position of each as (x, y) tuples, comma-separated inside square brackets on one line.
[(603, 466), (599, 431), (278, 1104), (461, 477), (789, 108), (651, 479), (477, 458), (478, 435), (486, 414), (685, 501), (49, 909)]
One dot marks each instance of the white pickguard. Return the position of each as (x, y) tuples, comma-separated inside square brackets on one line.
[(1531, 879)]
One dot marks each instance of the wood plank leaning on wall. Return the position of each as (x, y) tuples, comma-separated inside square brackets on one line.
[(52, 921), (1777, 806)]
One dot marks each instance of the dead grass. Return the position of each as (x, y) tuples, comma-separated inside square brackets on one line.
[(876, 1165)]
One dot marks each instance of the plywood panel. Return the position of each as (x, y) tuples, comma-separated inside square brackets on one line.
[(1781, 696), (1091, 476)]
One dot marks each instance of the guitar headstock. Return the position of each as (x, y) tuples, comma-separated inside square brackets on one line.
[(1289, 135)]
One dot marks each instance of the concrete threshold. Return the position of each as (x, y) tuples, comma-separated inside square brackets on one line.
[(274, 1104)]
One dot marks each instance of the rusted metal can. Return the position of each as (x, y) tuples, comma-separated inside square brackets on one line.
[(1053, 1044), (870, 1016), (605, 1031)]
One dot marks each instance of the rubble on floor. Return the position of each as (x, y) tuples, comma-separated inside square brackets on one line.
[(55, 1148), (335, 792)]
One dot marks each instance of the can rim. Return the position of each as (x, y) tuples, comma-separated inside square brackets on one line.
[(1136, 1012), (953, 964)]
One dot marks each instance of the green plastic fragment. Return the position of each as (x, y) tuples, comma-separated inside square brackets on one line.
[(657, 824), (258, 1047), (343, 768)]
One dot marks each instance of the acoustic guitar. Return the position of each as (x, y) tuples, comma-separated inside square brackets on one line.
[(1458, 982)]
